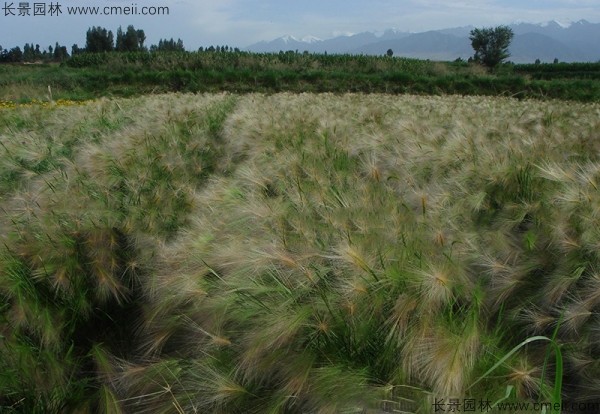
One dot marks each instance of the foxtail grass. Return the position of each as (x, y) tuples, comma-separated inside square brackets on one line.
[(299, 253)]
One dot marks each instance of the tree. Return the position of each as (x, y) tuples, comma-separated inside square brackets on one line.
[(119, 43), (98, 39), (390, 52), (165, 45), (60, 53), (75, 50), (28, 53), (130, 39), (141, 39), (491, 44), (15, 54)]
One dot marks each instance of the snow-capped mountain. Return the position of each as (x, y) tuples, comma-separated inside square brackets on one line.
[(288, 39), (310, 39), (285, 43), (564, 25), (565, 41)]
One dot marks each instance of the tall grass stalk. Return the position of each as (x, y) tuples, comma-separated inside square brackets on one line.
[(297, 252)]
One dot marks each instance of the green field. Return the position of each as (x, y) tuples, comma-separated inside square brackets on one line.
[(298, 253), (120, 74)]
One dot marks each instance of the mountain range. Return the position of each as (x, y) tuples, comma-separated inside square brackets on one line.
[(575, 42)]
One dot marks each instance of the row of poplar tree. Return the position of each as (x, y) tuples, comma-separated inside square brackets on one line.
[(98, 39)]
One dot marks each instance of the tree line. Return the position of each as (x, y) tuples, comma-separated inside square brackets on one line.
[(33, 53), (99, 40)]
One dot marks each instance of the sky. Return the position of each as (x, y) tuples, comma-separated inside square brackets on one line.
[(240, 23)]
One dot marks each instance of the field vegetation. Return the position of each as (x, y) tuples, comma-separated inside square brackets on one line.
[(90, 75), (296, 253)]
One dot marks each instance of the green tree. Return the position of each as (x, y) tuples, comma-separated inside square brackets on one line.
[(28, 55), (119, 44), (491, 44), (60, 53), (390, 52), (130, 39), (141, 36), (75, 50), (15, 54), (98, 39), (165, 45)]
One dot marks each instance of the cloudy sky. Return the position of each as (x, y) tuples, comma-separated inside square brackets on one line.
[(243, 22)]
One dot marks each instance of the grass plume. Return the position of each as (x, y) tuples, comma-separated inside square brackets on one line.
[(297, 253)]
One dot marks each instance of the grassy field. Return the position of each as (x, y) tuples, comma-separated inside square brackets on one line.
[(88, 76), (298, 253)]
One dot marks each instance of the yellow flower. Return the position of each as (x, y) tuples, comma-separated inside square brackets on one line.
[(43, 104)]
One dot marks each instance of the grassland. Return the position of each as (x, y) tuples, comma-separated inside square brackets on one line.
[(297, 253), (88, 76)]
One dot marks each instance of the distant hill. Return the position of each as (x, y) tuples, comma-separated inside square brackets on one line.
[(575, 42), (429, 45), (525, 46)]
